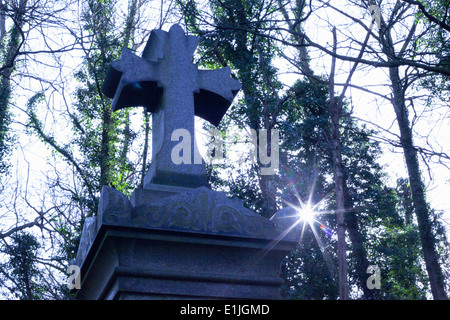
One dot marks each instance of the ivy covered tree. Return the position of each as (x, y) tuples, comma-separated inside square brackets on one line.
[(97, 130), (90, 146), (383, 214), (100, 140), (230, 43), (237, 36), (20, 271), (435, 16), (97, 151)]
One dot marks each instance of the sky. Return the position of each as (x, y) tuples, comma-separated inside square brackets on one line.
[(432, 126), (33, 160)]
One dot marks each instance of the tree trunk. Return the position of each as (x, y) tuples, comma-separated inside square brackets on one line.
[(146, 141), (417, 189), (358, 250), (268, 192), (105, 148), (2, 22), (334, 112), (7, 69), (254, 120), (427, 239), (340, 201), (27, 280)]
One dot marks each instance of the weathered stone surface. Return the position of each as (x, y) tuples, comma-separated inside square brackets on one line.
[(154, 192), (87, 238), (176, 238), (180, 243), (191, 210), (203, 210), (168, 84), (114, 207), (167, 62), (132, 264), (198, 210), (287, 220)]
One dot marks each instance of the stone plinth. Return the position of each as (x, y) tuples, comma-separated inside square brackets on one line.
[(179, 243)]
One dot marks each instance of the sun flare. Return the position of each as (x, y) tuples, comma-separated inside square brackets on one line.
[(307, 214)]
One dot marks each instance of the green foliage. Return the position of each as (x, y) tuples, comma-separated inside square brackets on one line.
[(69, 235), (6, 138), (98, 133), (381, 211), (8, 52), (21, 267), (308, 271), (251, 57), (436, 42), (98, 140), (229, 44), (305, 160), (403, 277)]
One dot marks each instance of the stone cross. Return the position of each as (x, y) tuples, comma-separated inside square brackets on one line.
[(174, 90)]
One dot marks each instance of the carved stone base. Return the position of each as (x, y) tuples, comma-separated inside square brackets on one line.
[(176, 243)]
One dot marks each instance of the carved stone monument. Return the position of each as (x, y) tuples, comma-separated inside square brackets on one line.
[(169, 85), (176, 238)]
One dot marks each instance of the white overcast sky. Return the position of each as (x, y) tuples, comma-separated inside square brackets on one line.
[(30, 161)]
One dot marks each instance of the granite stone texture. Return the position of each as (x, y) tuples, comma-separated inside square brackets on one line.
[(182, 243), (176, 238), (168, 84)]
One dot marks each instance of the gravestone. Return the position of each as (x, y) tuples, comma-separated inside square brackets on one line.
[(176, 238), (169, 85)]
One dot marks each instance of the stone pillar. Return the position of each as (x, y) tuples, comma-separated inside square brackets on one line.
[(179, 243)]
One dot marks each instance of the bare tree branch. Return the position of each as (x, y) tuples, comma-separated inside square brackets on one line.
[(428, 15)]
